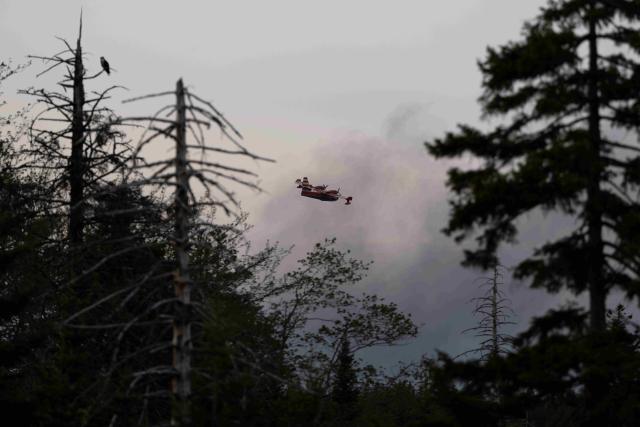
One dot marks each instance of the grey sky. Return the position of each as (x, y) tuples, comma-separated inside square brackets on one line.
[(344, 92)]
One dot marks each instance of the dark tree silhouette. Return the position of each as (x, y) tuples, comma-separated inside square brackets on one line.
[(566, 91), (73, 137), (345, 384), (494, 312)]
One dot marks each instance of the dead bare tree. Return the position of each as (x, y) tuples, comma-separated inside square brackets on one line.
[(190, 182), (73, 137), (494, 313)]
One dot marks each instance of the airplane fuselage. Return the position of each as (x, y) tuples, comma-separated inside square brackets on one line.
[(325, 196)]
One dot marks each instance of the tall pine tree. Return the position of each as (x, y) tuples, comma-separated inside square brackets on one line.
[(345, 391), (567, 94)]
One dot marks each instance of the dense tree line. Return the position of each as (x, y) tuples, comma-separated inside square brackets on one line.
[(98, 246)]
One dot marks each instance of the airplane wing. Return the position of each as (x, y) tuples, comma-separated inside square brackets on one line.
[(304, 184)]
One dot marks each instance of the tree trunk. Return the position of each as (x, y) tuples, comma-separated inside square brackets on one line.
[(495, 345), (594, 383), (595, 258), (76, 166), (182, 345)]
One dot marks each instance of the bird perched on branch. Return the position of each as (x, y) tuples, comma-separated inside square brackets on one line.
[(105, 65)]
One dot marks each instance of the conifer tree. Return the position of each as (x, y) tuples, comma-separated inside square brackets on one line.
[(567, 93), (345, 392)]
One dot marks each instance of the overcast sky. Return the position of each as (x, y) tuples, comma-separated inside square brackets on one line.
[(344, 92)]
